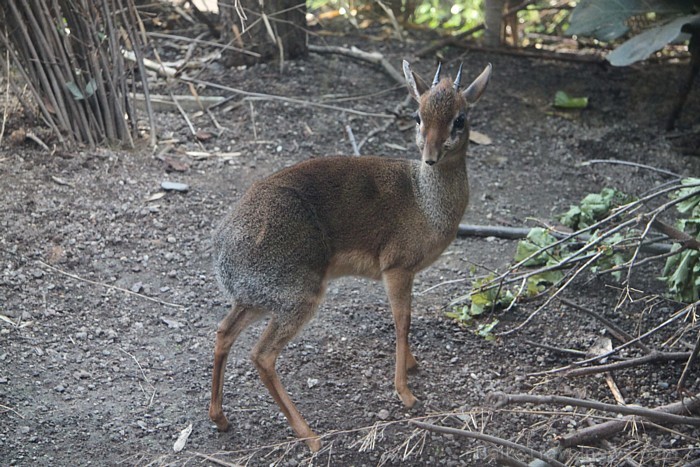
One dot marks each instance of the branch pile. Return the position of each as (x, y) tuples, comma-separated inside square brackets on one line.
[(69, 52)]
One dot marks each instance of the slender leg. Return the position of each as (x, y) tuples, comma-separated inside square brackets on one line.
[(264, 355), (229, 329), (398, 286)]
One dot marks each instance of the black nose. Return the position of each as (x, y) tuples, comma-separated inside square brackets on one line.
[(430, 162)]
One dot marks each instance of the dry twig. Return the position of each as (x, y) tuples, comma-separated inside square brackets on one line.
[(107, 286), (501, 399), (291, 100), (372, 57), (489, 439), (651, 357), (612, 427)]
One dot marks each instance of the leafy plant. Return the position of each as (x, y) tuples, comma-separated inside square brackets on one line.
[(607, 20), (539, 239), (458, 16), (483, 297), (594, 207), (682, 271)]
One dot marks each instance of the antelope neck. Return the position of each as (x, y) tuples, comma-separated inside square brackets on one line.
[(442, 191)]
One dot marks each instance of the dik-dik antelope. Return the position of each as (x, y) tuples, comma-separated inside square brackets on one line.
[(381, 218)]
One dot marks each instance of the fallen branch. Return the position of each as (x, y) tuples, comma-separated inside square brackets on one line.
[(215, 460), (685, 240), (372, 57), (351, 137), (619, 334), (204, 42), (689, 364), (630, 164), (605, 430), (113, 287), (272, 97), (683, 312), (488, 439), (10, 409), (162, 103), (532, 53), (654, 356), (517, 233), (501, 399), (578, 353)]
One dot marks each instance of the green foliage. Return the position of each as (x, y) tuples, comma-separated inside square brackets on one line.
[(613, 253), (594, 207), (682, 271), (607, 20), (608, 249), (682, 275), (79, 95), (537, 239), (484, 297), (540, 240), (541, 250), (563, 101), (457, 16), (485, 330)]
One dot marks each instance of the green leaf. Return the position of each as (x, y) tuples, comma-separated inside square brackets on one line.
[(91, 87), (563, 101), (646, 43), (536, 239), (688, 206), (486, 330), (684, 281), (594, 207), (572, 217), (606, 20), (75, 90), (79, 95)]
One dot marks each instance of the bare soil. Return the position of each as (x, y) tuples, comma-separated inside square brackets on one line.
[(111, 304)]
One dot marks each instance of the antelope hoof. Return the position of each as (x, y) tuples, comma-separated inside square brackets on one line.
[(220, 421), (314, 444), (408, 399)]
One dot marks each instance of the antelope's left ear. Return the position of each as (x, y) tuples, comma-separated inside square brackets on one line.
[(416, 85), (478, 86)]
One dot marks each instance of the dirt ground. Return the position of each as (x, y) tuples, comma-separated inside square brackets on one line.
[(109, 304)]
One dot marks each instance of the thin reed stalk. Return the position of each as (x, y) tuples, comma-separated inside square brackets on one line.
[(70, 53)]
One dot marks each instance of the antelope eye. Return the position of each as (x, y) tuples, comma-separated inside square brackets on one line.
[(416, 117), (459, 122)]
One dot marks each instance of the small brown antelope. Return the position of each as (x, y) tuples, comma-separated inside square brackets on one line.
[(369, 216)]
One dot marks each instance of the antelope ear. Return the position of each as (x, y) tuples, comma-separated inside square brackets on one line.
[(478, 86), (416, 85)]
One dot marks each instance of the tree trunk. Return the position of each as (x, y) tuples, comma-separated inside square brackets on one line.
[(274, 29), (493, 19)]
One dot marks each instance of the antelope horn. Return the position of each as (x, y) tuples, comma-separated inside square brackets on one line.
[(458, 78), (436, 80)]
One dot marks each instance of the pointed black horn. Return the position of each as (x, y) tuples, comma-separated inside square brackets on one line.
[(458, 78), (436, 80)]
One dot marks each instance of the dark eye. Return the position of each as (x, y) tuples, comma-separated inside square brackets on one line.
[(416, 117), (459, 122)]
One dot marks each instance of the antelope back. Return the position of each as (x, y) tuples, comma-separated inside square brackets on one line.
[(443, 112)]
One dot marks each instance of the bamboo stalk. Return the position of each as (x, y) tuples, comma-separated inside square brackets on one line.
[(60, 43)]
